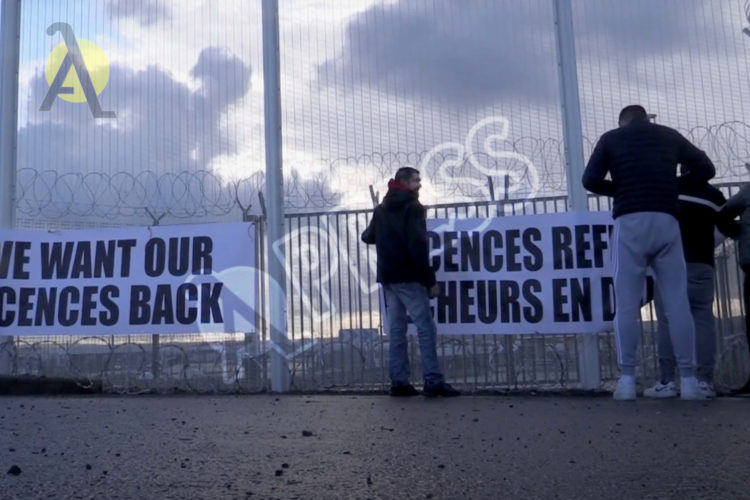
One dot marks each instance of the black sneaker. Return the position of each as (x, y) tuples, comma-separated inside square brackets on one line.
[(745, 389), (440, 389), (400, 390)]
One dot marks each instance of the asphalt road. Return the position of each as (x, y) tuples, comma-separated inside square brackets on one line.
[(372, 446)]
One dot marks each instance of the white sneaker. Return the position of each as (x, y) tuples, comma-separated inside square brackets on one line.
[(625, 390), (661, 391), (689, 389), (706, 389)]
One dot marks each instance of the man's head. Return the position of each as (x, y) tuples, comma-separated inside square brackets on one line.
[(631, 113), (409, 177)]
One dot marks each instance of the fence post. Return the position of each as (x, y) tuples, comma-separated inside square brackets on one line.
[(588, 361), (10, 40), (280, 379), (155, 349)]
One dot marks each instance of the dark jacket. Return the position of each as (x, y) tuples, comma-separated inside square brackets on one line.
[(700, 213), (739, 204), (398, 230), (642, 159)]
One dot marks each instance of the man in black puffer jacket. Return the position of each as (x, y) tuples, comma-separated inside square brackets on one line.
[(642, 158), (398, 230)]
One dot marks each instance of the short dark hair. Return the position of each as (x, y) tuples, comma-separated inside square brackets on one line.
[(406, 173), (632, 112)]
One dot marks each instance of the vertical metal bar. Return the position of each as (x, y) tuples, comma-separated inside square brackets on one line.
[(263, 274), (300, 289), (572, 133), (320, 294), (330, 292), (275, 192), (341, 318), (349, 296), (10, 42)]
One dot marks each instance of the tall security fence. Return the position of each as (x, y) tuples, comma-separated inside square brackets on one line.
[(336, 332), (466, 90)]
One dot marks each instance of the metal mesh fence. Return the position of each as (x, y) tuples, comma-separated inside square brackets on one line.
[(452, 87), (336, 333)]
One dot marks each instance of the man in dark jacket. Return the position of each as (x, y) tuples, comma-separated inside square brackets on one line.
[(700, 215), (398, 230), (739, 204), (642, 158)]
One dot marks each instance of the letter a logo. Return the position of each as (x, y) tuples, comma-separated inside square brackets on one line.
[(88, 78)]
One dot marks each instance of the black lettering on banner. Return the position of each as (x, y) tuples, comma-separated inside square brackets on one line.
[(7, 298), (210, 308), (608, 298), (562, 254), (20, 260), (15, 251), (509, 295), (466, 300), (6, 252), (155, 257), (56, 260), (512, 249), (186, 315), (202, 260), (433, 242), (140, 309), (559, 299), (25, 305), (490, 241), (67, 316), (583, 245), (163, 308), (104, 259), (447, 303), (110, 316), (46, 305), (126, 246), (88, 305), (82, 261), (580, 298), (600, 243), (535, 260), (450, 249), (470, 251), (179, 255), (487, 301), (534, 312)]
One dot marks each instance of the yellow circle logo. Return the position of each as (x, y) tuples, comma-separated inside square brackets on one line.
[(96, 62)]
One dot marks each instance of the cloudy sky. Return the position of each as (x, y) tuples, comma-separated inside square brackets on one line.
[(366, 86)]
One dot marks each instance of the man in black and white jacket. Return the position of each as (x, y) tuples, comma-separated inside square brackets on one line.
[(700, 216)]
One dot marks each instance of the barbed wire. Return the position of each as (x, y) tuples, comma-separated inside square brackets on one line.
[(48, 194)]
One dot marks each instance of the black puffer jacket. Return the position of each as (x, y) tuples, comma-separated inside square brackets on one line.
[(398, 230), (642, 160)]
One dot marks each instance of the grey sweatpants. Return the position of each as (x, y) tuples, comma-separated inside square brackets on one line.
[(643, 240), (700, 279)]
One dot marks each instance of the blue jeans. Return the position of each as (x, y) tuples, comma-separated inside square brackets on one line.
[(701, 298), (412, 298)]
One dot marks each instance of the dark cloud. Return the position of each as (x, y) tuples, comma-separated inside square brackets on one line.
[(161, 123), (480, 52), (164, 136), (470, 52), (146, 12)]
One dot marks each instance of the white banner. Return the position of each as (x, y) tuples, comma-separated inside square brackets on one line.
[(548, 273), (160, 279)]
